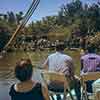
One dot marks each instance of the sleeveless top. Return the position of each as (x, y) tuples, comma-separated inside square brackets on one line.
[(34, 94)]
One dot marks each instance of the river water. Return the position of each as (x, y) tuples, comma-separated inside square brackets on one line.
[(7, 64)]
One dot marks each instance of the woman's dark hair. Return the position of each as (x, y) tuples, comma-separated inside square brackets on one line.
[(23, 70)]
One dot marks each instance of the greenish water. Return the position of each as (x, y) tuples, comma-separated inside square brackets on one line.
[(10, 59), (7, 64)]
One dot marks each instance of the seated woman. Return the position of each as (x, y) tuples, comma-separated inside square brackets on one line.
[(26, 89)]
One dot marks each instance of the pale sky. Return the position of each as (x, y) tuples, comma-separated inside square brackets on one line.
[(45, 8)]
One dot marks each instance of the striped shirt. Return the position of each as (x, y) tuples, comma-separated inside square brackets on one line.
[(90, 62), (60, 62)]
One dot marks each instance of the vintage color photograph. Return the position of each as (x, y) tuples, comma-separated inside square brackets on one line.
[(49, 49)]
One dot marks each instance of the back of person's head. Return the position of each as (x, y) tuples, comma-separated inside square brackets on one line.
[(23, 70), (60, 46), (91, 49)]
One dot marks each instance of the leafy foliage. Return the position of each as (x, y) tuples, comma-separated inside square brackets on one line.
[(74, 21)]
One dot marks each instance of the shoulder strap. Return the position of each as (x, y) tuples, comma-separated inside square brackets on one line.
[(11, 92), (38, 87)]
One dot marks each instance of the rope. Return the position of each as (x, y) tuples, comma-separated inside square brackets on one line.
[(27, 16)]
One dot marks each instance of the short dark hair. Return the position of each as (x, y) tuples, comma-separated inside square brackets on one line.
[(23, 70), (91, 48), (60, 46)]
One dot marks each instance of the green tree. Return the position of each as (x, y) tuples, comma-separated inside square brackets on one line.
[(19, 17)]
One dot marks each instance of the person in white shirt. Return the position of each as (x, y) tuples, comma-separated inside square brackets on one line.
[(60, 62)]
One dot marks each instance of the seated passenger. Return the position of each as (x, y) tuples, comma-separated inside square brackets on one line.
[(90, 62), (26, 89), (60, 62)]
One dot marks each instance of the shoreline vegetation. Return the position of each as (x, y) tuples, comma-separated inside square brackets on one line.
[(76, 23)]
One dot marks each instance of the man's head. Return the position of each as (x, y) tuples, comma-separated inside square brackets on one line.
[(91, 49), (60, 46)]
